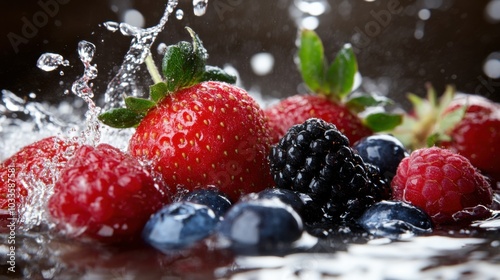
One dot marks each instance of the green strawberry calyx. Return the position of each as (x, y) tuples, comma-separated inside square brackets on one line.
[(336, 80), (430, 122), (183, 66)]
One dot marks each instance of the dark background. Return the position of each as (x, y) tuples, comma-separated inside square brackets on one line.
[(457, 39)]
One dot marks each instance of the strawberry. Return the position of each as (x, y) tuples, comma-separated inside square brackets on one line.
[(477, 135), (442, 183), (104, 195), (329, 98), (36, 163), (466, 124), (298, 108), (196, 131)]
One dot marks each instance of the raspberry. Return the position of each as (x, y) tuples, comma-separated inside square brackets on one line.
[(315, 159), (37, 162), (104, 195), (441, 182)]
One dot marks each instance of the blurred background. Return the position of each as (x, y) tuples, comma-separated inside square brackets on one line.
[(400, 45)]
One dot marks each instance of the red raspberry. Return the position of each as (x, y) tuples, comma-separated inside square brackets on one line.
[(104, 194), (441, 182), (37, 163)]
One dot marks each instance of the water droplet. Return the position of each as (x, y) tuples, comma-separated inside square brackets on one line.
[(112, 25), (200, 7), (129, 30), (162, 48), (86, 51), (50, 61), (91, 72), (179, 14)]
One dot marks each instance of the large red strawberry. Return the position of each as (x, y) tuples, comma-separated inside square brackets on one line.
[(36, 163), (441, 182), (466, 124), (330, 97), (196, 131), (105, 195)]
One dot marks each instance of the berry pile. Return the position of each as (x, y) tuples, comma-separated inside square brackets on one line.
[(206, 163)]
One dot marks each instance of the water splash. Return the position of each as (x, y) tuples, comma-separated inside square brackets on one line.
[(123, 82), (51, 61), (82, 89), (200, 7)]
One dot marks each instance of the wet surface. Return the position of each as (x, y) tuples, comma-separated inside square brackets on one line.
[(471, 253)]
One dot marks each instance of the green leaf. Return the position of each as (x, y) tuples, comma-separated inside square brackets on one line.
[(312, 60), (121, 118), (360, 102), (378, 122), (213, 73), (139, 105), (340, 75), (432, 139), (198, 47), (158, 91), (178, 66)]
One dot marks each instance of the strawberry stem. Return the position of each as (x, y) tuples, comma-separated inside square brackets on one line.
[(152, 69)]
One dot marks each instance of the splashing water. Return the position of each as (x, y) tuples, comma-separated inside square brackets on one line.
[(50, 61), (140, 48), (82, 89), (200, 7)]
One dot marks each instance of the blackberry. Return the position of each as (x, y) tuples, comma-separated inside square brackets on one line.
[(314, 158)]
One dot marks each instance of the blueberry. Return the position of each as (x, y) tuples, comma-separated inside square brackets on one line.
[(384, 151), (286, 196), (178, 225), (260, 226), (392, 218), (213, 198)]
